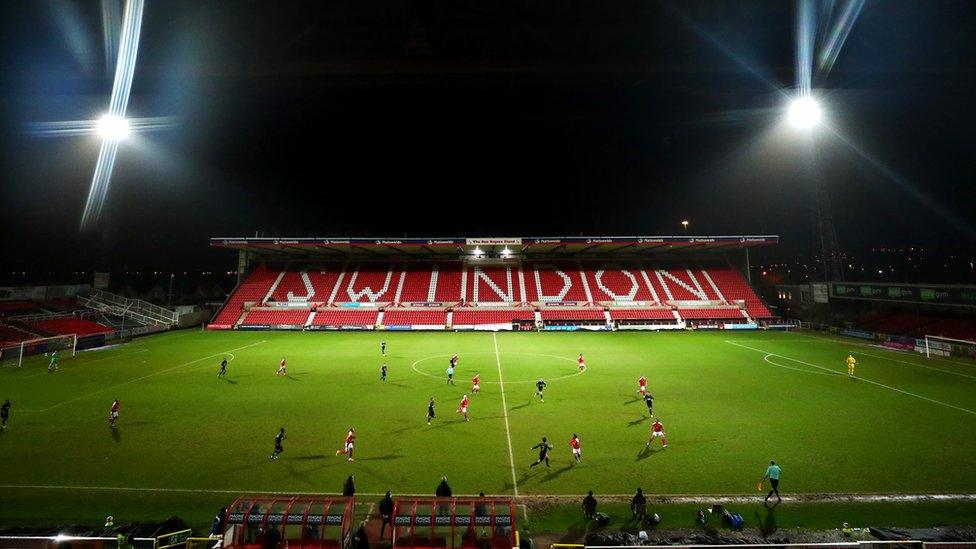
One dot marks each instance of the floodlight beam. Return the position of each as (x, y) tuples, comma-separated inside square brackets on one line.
[(805, 34), (838, 35), (121, 88)]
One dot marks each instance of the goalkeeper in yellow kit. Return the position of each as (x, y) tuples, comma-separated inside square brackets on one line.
[(851, 362)]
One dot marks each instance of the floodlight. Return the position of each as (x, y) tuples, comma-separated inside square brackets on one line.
[(112, 127), (804, 113)]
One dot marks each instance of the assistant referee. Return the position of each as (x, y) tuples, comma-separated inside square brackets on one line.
[(772, 473)]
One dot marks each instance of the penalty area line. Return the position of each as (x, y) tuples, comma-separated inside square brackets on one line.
[(161, 372), (916, 364), (766, 358), (889, 387), (508, 431), (101, 359)]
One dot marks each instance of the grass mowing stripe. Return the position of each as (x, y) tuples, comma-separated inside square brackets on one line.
[(508, 431), (124, 383), (701, 382), (896, 389)]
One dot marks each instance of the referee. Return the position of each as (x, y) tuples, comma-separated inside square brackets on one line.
[(772, 473)]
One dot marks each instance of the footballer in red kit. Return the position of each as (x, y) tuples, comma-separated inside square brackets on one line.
[(657, 431), (113, 413), (577, 451), (348, 446)]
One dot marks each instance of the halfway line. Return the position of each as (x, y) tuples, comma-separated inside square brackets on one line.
[(508, 432)]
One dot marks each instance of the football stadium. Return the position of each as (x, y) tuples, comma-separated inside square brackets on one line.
[(770, 357)]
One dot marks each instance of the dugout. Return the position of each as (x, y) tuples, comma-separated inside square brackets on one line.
[(468, 523), (268, 522)]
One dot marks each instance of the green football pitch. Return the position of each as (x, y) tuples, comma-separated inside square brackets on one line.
[(729, 401)]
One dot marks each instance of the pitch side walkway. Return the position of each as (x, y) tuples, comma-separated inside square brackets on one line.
[(824, 497)]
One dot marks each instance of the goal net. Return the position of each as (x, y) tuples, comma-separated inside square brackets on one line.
[(947, 346), (40, 350)]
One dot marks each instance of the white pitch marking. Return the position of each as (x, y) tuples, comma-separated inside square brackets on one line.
[(76, 399), (848, 342), (919, 365), (889, 387), (766, 358), (44, 373), (418, 361), (508, 432)]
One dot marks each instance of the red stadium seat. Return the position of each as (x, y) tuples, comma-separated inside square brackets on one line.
[(547, 283), (71, 325), (642, 314), (283, 317), (617, 283), (417, 285), (10, 335), (559, 313), (493, 284), (713, 292), (414, 317), (474, 316), (337, 318), (711, 313), (368, 284), (734, 287), (253, 289)]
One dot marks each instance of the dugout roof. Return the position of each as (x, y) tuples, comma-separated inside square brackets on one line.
[(524, 247)]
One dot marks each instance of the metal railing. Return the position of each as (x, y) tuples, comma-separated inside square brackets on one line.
[(36, 317), (136, 309)]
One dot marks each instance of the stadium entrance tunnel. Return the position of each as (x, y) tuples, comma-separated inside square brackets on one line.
[(468, 523)]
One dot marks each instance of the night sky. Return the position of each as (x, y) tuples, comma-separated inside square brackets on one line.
[(483, 117)]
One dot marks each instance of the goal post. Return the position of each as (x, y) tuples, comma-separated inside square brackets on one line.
[(947, 346), (67, 345)]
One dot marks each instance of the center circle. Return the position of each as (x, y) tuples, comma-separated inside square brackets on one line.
[(545, 371)]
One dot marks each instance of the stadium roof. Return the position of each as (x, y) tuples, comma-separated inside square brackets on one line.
[(569, 245)]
